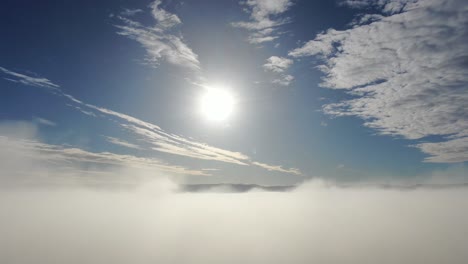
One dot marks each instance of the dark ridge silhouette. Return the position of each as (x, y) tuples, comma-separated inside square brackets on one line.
[(240, 188), (232, 188)]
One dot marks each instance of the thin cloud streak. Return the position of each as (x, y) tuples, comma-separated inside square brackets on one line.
[(28, 80), (277, 168), (120, 142), (44, 153), (45, 122)]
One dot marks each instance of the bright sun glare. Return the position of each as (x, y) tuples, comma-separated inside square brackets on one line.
[(217, 104)]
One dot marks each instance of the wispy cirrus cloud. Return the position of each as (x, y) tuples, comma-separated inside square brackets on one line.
[(164, 18), (36, 81), (45, 122), (121, 142), (406, 68), (159, 41), (265, 18), (162, 141), (67, 157), (173, 144), (127, 12)]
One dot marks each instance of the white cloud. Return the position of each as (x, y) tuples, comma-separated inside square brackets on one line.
[(277, 64), (406, 71), (28, 80), (284, 80), (159, 42), (261, 39), (265, 19)]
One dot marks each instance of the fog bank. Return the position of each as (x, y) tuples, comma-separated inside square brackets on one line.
[(315, 223)]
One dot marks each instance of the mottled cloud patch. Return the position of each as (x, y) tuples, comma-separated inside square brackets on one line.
[(406, 69), (277, 64), (450, 151), (385, 6), (265, 18), (284, 80)]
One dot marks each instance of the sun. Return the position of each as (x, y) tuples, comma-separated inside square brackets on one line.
[(217, 104)]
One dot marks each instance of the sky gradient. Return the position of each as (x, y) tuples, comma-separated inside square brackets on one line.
[(346, 91)]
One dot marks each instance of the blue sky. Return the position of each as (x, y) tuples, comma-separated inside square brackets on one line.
[(342, 90)]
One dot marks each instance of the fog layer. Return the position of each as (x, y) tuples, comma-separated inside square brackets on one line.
[(313, 224)]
